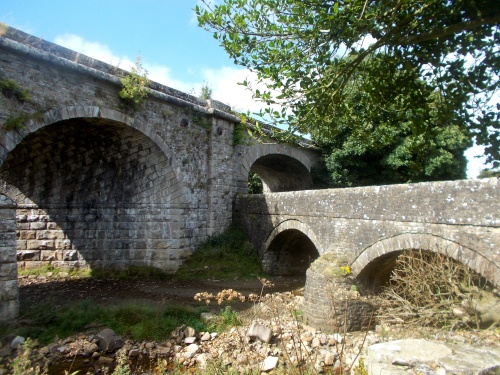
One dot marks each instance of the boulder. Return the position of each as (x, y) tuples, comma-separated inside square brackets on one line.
[(260, 332), (108, 340), (431, 358)]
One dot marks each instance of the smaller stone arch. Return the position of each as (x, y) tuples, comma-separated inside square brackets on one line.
[(280, 167), (382, 249), (290, 249)]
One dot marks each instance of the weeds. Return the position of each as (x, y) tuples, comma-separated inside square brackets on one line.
[(136, 320), (135, 86), (431, 289), (228, 256), (51, 270), (28, 362), (10, 88)]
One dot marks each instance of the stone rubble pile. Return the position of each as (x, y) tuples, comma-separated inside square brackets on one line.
[(272, 337)]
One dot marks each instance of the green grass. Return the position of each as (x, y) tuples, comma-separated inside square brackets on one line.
[(45, 269), (228, 256), (138, 321), (226, 319)]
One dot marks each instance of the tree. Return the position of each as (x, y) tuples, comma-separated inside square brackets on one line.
[(309, 54), (488, 173), (408, 136)]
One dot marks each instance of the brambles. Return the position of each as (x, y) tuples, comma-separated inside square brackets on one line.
[(431, 289)]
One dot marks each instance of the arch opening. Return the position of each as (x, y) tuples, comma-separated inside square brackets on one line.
[(290, 254), (91, 192), (408, 264), (280, 173)]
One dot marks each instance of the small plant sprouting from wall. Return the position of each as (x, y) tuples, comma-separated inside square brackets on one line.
[(135, 86), (11, 89), (15, 122), (206, 91), (240, 134)]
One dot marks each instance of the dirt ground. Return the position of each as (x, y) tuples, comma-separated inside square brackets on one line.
[(63, 291)]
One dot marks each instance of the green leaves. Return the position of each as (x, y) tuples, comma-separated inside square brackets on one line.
[(310, 55), (134, 86)]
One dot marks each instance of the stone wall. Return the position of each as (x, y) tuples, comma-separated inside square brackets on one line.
[(9, 302), (99, 184), (360, 224)]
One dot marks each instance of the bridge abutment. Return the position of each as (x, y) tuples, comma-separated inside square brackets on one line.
[(9, 300)]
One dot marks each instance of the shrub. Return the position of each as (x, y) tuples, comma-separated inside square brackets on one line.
[(134, 86)]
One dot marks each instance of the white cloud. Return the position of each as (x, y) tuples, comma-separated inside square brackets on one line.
[(224, 83), (475, 161), (158, 73), (95, 50)]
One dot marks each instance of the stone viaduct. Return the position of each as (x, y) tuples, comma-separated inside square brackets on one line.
[(86, 181)]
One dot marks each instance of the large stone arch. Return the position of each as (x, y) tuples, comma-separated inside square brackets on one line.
[(280, 167), (95, 187), (58, 114), (290, 248), (429, 242)]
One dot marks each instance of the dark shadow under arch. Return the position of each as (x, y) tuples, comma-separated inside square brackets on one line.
[(290, 253), (281, 173), (92, 191)]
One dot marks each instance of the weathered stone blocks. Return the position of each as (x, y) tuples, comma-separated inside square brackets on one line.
[(9, 302), (331, 298)]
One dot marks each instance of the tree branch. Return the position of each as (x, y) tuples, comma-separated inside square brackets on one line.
[(452, 29)]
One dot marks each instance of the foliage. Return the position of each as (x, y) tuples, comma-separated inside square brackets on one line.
[(254, 183), (206, 91), (26, 363), (122, 366), (360, 369), (139, 321), (10, 88), (135, 86), (227, 256), (240, 133), (15, 122), (55, 271), (308, 53), (226, 319), (488, 173), (414, 136)]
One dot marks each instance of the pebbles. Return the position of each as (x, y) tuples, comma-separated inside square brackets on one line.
[(272, 337)]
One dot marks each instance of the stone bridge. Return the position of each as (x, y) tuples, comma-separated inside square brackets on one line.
[(86, 181), (367, 227)]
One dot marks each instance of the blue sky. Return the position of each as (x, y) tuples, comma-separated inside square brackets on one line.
[(165, 33)]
